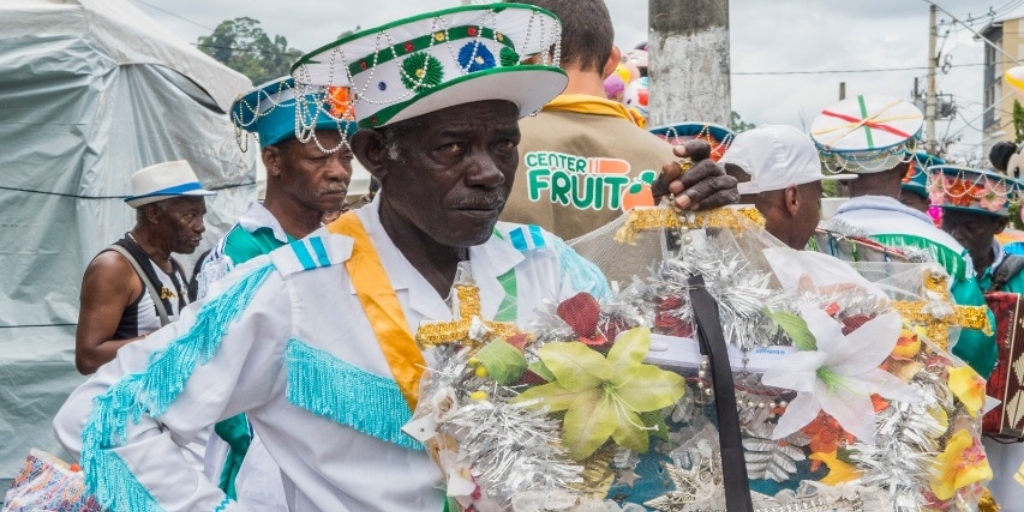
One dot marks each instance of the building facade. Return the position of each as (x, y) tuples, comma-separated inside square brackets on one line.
[(997, 123)]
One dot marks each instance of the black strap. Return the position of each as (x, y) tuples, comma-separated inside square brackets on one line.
[(1010, 267), (712, 345)]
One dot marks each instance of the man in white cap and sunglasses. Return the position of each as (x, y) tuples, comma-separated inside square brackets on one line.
[(134, 287), (315, 342), (780, 173)]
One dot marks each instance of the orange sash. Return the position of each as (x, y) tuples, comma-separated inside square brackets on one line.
[(380, 303)]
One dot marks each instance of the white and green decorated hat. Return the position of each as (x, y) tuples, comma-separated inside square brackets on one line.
[(437, 60), (867, 134)]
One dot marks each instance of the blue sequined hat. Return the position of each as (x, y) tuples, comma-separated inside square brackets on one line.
[(973, 190), (269, 111), (718, 137), (442, 59)]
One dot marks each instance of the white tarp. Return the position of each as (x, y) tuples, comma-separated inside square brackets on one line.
[(90, 92)]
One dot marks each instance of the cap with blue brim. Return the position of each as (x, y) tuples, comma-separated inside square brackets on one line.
[(437, 60), (916, 180), (972, 190), (867, 134), (718, 137), (273, 112)]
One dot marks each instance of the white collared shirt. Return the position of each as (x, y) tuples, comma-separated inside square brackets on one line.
[(326, 464)]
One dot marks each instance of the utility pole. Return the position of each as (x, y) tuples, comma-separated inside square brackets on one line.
[(842, 91), (689, 61), (930, 106)]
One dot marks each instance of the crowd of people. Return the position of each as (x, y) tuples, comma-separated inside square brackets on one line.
[(493, 139)]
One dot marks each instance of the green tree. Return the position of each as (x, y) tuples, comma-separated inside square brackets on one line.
[(1018, 122), (739, 125), (242, 45)]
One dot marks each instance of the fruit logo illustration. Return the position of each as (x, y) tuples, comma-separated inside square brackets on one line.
[(587, 183)]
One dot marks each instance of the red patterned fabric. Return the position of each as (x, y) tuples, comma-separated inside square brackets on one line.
[(1007, 380)]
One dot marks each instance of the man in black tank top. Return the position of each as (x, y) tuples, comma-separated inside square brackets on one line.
[(133, 287)]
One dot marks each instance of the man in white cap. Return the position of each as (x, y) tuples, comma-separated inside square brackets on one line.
[(134, 287), (780, 173), (874, 138), (315, 342)]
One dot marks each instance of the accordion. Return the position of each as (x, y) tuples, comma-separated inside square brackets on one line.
[(1007, 381)]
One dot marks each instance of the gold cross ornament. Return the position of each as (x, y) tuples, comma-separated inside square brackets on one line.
[(458, 331), (937, 328)]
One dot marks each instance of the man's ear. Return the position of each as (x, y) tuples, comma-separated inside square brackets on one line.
[(792, 200), (152, 213), (1001, 224), (368, 147), (272, 161), (613, 62)]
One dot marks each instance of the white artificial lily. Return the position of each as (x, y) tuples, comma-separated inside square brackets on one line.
[(840, 375)]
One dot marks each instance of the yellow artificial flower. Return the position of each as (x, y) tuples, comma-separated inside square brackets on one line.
[(968, 387), (839, 472), (961, 464)]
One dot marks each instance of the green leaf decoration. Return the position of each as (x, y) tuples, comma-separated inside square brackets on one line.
[(421, 72), (504, 363), (575, 365), (795, 327), (508, 57), (587, 426), (542, 371), (618, 397)]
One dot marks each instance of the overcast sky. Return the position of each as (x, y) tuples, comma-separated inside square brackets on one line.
[(768, 36)]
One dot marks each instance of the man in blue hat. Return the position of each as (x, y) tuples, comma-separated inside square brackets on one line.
[(305, 179)]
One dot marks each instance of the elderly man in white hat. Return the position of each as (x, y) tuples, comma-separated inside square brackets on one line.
[(134, 287), (315, 342)]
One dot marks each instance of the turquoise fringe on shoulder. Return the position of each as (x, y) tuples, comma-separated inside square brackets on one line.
[(151, 392), (954, 263), (223, 505), (344, 393), (584, 275)]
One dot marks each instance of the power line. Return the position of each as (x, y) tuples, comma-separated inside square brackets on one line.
[(833, 71), (169, 13)]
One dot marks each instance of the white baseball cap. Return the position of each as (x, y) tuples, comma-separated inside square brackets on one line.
[(775, 157), (165, 181)]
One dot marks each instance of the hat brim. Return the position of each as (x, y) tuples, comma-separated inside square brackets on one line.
[(719, 133), (136, 202), (529, 87), (975, 211)]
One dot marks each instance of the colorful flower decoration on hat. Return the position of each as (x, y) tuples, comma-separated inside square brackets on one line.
[(421, 71), (474, 56), (340, 104), (980, 191)]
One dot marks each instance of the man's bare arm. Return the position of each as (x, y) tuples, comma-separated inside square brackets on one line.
[(108, 287)]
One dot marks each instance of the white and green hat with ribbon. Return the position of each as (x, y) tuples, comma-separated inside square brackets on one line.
[(437, 60), (867, 134)]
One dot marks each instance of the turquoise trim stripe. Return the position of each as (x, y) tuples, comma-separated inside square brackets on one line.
[(517, 239), (344, 393), (223, 505), (302, 253), (151, 392), (321, 251), (538, 237)]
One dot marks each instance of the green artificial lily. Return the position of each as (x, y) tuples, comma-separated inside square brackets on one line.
[(604, 397)]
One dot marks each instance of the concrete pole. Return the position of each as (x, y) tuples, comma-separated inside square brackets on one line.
[(689, 61), (930, 98)]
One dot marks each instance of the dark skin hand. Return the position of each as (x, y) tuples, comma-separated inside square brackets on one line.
[(303, 182), (110, 283), (704, 187)]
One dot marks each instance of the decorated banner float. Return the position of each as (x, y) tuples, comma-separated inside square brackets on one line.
[(732, 374)]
